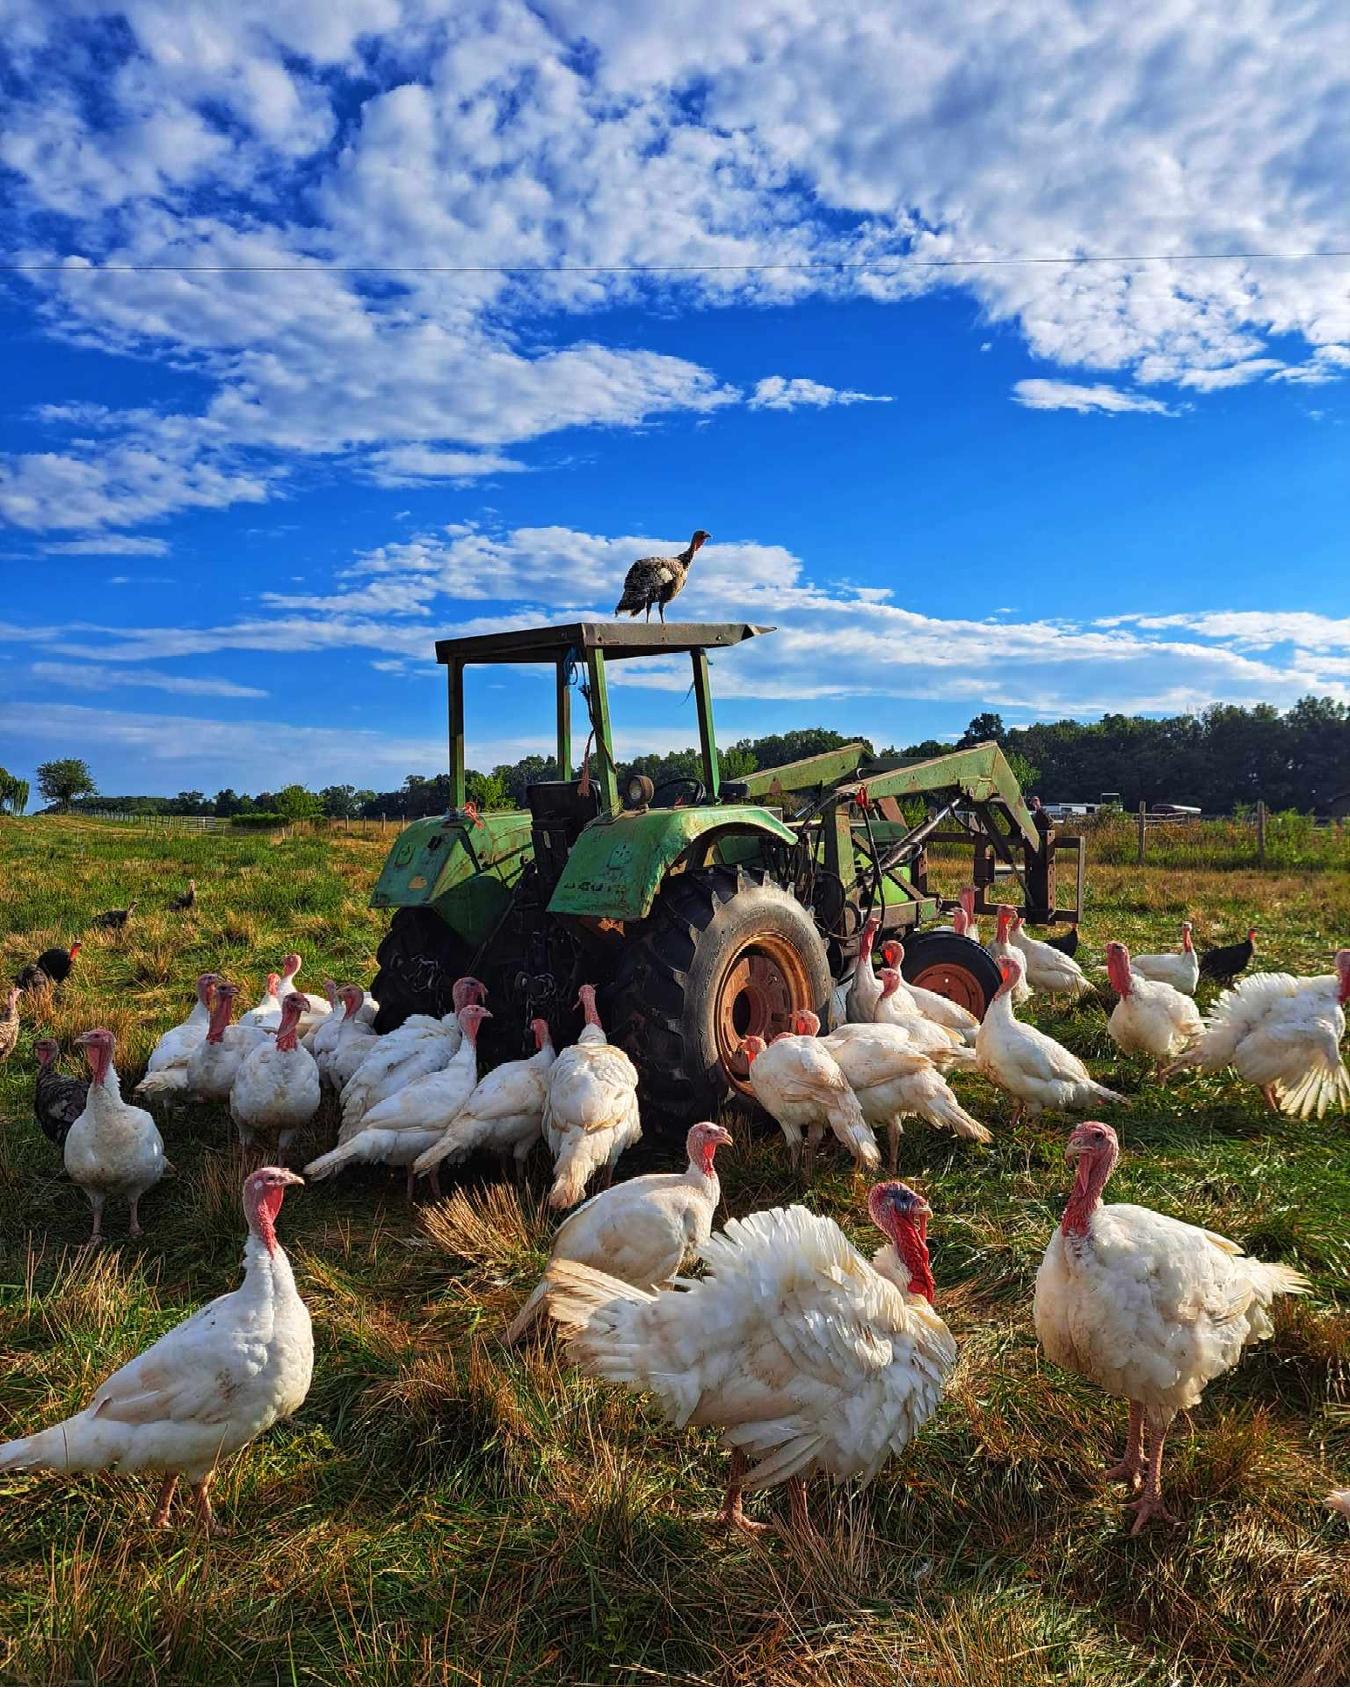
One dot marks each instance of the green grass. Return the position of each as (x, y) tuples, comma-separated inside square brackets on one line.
[(442, 1510)]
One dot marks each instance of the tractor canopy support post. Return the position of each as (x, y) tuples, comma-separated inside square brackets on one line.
[(706, 735), (564, 702), (454, 675), (604, 739)]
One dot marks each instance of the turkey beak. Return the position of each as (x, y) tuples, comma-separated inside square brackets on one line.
[(724, 1139), (1073, 1152), (289, 1177)]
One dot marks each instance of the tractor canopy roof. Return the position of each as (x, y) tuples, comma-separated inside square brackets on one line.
[(616, 639)]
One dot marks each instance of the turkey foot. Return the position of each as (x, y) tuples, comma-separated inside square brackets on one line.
[(201, 1502), (731, 1514), (1149, 1509), (159, 1518)]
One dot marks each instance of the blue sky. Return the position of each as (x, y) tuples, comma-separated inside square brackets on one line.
[(244, 483)]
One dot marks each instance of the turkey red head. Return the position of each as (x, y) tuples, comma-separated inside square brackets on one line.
[(890, 981), (471, 1018), (703, 1142), (1012, 969), (1186, 945), (293, 1007), (966, 898), (805, 1023), (1093, 1149), (264, 1192), (960, 922), (46, 1050), (751, 1047), (1343, 974), (74, 950), (902, 1215), (467, 990), (351, 997), (893, 952), (98, 1046), (290, 965), (700, 539), (1118, 968), (1005, 920), (543, 1037), (586, 1002)]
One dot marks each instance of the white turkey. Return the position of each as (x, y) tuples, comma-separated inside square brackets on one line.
[(590, 1110), (1151, 1018), (353, 1041), (864, 988), (423, 1044), (896, 1007), (323, 1032), (1178, 968), (644, 1230), (504, 1115), (395, 1132), (1001, 946), (1047, 969), (266, 1012), (807, 1358), (1035, 1071), (940, 1009), (1148, 1307), (113, 1148), (276, 1090), (214, 1063), (893, 1083), (967, 926), (799, 1084), (207, 1387), (1283, 1034), (166, 1069), (317, 1008)]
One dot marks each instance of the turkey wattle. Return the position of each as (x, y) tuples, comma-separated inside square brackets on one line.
[(1148, 1307)]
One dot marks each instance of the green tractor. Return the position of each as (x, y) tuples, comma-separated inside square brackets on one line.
[(704, 909)]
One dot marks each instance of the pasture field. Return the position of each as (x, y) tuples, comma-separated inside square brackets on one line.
[(442, 1510)]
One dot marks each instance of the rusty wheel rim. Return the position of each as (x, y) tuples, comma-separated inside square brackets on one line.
[(957, 984), (757, 995)]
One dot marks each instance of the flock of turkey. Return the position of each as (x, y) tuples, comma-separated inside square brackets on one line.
[(808, 1357)]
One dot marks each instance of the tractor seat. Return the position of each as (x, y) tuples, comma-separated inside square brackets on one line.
[(558, 815)]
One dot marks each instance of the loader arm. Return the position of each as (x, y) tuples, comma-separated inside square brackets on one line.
[(981, 774)]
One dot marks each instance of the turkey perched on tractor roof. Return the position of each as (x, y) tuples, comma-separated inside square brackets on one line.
[(653, 581)]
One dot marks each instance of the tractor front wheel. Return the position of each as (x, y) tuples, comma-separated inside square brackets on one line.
[(724, 954), (419, 959), (952, 966)]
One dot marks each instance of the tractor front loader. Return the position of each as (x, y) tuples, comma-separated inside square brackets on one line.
[(705, 909)]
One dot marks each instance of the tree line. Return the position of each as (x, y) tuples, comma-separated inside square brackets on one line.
[(1221, 760)]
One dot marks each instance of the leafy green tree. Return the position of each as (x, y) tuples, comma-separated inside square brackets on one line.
[(297, 804), (486, 791), (340, 802), (65, 779), (982, 728), (228, 802), (13, 793)]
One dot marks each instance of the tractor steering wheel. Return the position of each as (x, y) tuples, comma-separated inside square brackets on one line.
[(698, 793)]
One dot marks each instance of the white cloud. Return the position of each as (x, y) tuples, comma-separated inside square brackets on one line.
[(96, 677), (1040, 394), (577, 133), (833, 640), (776, 392), (108, 545), (411, 465)]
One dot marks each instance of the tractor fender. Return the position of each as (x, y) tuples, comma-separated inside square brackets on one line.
[(619, 863)]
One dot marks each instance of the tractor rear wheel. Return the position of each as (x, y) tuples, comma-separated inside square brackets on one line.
[(419, 960), (723, 954), (952, 966)]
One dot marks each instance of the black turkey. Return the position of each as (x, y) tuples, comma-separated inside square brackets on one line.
[(114, 919), (186, 899), (1225, 963), (58, 1101), (51, 968), (656, 580)]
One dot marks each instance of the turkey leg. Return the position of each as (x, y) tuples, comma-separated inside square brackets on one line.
[(813, 1136), (135, 1219), (159, 1518), (1129, 1469), (201, 1502), (96, 1235), (801, 1526), (732, 1513), (1149, 1506)]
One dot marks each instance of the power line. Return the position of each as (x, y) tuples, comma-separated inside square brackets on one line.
[(891, 266)]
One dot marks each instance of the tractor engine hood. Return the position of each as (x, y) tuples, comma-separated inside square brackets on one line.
[(617, 865)]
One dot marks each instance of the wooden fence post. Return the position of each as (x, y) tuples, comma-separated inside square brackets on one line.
[(1260, 832), (1143, 827)]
